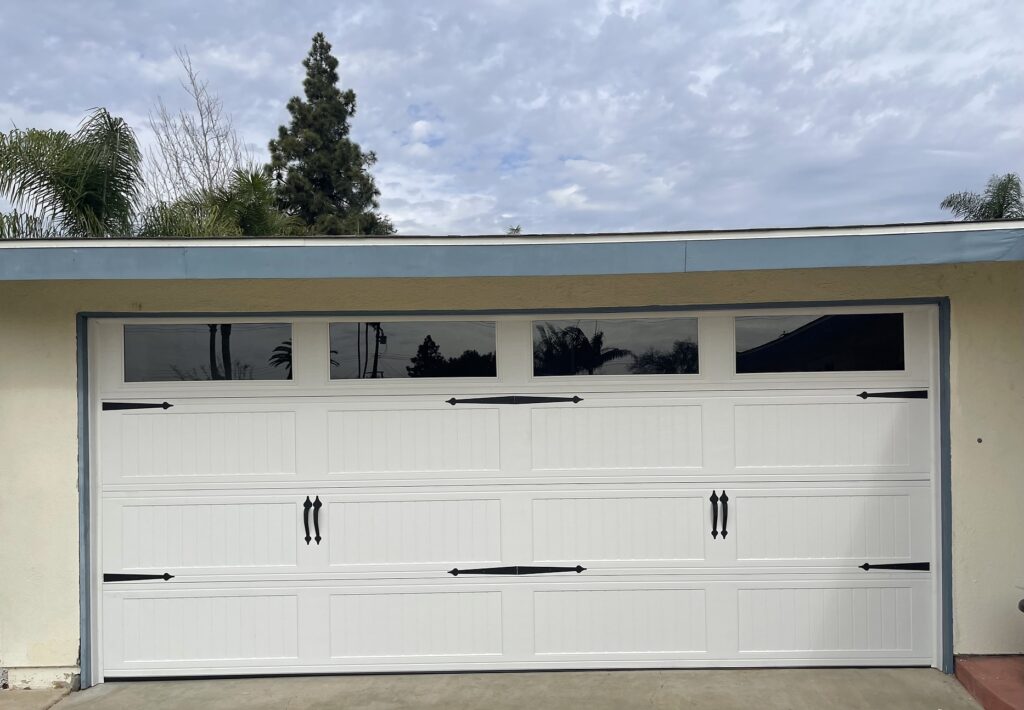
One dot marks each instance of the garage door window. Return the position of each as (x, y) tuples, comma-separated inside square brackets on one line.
[(207, 351), (412, 349), (615, 346), (816, 343)]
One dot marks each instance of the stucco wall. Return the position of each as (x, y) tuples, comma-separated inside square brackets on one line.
[(39, 611)]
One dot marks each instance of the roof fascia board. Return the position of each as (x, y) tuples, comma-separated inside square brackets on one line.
[(340, 259)]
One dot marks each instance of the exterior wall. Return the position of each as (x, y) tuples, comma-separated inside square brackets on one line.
[(39, 604)]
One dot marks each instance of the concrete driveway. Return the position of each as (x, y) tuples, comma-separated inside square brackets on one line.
[(840, 689)]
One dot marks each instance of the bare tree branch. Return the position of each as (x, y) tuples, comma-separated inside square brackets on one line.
[(198, 148)]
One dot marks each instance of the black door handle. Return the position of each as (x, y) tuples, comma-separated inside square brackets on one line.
[(714, 515), (305, 517), (725, 514), (316, 519)]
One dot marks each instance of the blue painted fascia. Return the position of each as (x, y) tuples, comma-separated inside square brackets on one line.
[(558, 258)]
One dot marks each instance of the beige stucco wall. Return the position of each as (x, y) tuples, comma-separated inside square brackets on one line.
[(39, 612)]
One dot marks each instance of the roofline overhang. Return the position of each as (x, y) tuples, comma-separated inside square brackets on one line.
[(508, 255)]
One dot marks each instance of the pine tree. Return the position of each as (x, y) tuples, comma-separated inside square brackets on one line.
[(323, 175)]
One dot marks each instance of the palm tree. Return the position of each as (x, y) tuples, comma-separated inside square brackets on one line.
[(1002, 199), (246, 206), (85, 184), (568, 351), (682, 359)]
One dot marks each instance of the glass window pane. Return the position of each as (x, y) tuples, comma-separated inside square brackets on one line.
[(214, 351), (840, 342), (615, 346), (412, 349)]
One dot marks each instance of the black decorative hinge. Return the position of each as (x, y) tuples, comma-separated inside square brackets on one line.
[(902, 394), (513, 399), (516, 570), (135, 577), (918, 566), (136, 405)]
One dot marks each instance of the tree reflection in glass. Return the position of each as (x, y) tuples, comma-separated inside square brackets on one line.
[(615, 346), (205, 352), (568, 351), (420, 349)]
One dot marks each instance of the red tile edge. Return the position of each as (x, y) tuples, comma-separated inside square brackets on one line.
[(997, 682)]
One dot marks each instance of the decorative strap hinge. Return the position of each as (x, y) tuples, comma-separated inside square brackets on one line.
[(916, 566), (516, 570), (107, 406), (513, 399), (902, 394)]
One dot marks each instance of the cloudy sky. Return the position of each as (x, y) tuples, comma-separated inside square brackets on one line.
[(584, 115)]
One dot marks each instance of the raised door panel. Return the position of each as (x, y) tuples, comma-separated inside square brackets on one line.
[(415, 625), (204, 535), (619, 528), (199, 443), (205, 630), (839, 434), (411, 531), (630, 622), (837, 618), (617, 436), (829, 526), (412, 442)]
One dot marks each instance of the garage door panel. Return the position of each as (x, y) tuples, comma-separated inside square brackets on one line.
[(625, 437), (415, 531), (830, 618), (825, 525), (204, 535), (410, 441), (199, 442), (830, 435), (415, 624), (617, 527), (620, 621), (232, 628)]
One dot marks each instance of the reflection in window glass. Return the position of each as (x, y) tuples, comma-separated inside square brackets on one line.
[(375, 350), (214, 351), (615, 346), (840, 342)]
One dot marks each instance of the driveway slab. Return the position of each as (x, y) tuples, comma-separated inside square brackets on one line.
[(30, 699), (785, 689)]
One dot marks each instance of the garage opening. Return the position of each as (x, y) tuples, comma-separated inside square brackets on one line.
[(618, 490)]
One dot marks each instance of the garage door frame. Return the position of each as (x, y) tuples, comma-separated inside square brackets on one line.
[(89, 635)]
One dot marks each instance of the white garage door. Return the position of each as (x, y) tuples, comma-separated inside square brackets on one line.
[(631, 490)]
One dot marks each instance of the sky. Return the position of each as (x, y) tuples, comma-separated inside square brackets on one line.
[(583, 115)]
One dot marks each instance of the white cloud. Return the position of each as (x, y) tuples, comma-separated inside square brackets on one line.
[(572, 196)]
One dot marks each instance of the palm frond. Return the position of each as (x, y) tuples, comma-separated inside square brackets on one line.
[(87, 184), (1002, 199)]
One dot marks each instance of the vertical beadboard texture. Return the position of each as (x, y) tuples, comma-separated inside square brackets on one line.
[(173, 536), (241, 628), (397, 441), (404, 531), (620, 621), (415, 624), (207, 444), (815, 619), (607, 437), (875, 527), (822, 434), (627, 528)]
